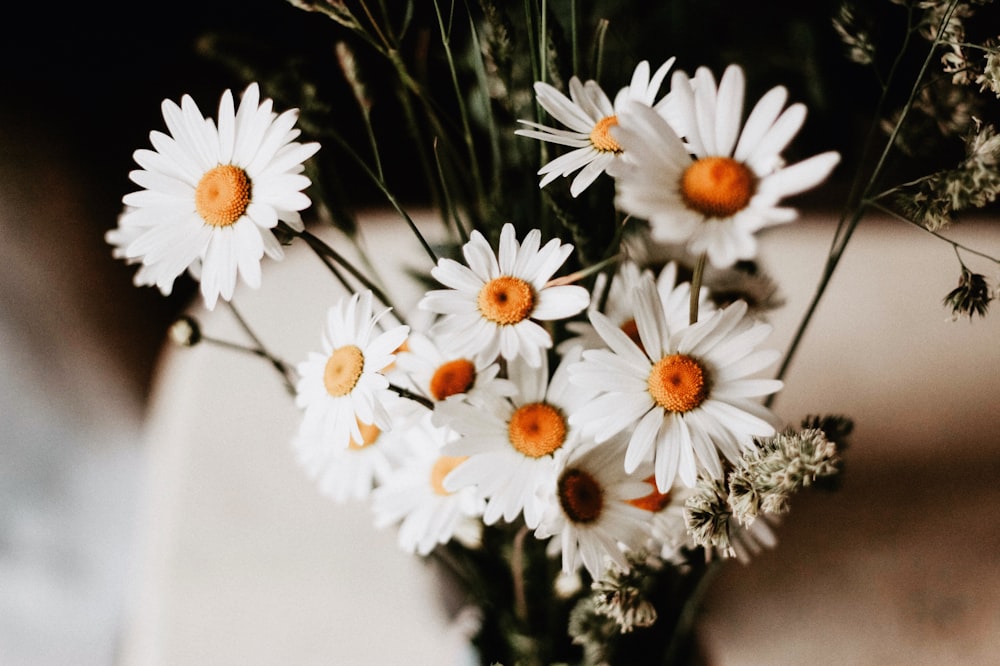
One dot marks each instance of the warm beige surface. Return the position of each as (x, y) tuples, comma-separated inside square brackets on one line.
[(246, 564)]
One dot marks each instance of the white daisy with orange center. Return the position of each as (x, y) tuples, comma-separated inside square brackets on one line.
[(491, 305), (441, 376), (343, 387), (213, 193), (513, 447), (414, 495), (349, 473), (684, 396), (620, 309), (589, 114), (707, 179), (593, 515)]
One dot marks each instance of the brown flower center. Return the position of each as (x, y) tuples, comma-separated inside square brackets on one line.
[(717, 186), (506, 300), (581, 496), (600, 137), (537, 429), (678, 383), (342, 371), (441, 468), (453, 378), (222, 195)]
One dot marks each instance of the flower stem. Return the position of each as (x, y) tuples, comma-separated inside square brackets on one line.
[(685, 622), (259, 349), (696, 280)]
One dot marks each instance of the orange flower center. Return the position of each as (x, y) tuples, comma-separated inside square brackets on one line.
[(717, 186), (506, 300), (222, 195), (654, 502), (581, 496), (342, 371), (369, 433), (536, 429), (452, 378), (441, 468), (600, 137), (678, 383)]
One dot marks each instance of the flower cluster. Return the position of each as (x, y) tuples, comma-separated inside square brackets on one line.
[(573, 433), (584, 410)]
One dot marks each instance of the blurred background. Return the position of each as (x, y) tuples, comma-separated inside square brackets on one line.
[(82, 86)]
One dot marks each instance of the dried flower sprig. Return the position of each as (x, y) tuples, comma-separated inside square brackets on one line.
[(971, 297), (766, 477)]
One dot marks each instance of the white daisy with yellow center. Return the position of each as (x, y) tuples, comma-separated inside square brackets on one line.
[(491, 305), (685, 396), (414, 495), (212, 194), (592, 513), (589, 115), (620, 309), (343, 387), (706, 179), (513, 447)]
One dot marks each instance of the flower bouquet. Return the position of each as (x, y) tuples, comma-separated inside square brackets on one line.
[(574, 421)]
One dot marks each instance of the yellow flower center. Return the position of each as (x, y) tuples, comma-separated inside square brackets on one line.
[(441, 468), (654, 502), (369, 433), (581, 496), (342, 371), (536, 429), (453, 378), (600, 137), (678, 383), (717, 186), (222, 195), (506, 300)]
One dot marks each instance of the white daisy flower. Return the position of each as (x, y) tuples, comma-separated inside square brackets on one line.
[(686, 396), (620, 309), (213, 193), (344, 385), (119, 239), (491, 304), (703, 179), (592, 514), (440, 376), (414, 496), (514, 446), (668, 523), (349, 473), (589, 114)]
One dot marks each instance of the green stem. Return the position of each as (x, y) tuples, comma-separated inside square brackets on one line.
[(325, 252), (954, 244), (258, 350), (517, 572), (689, 612), (696, 280), (410, 395), (473, 159)]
